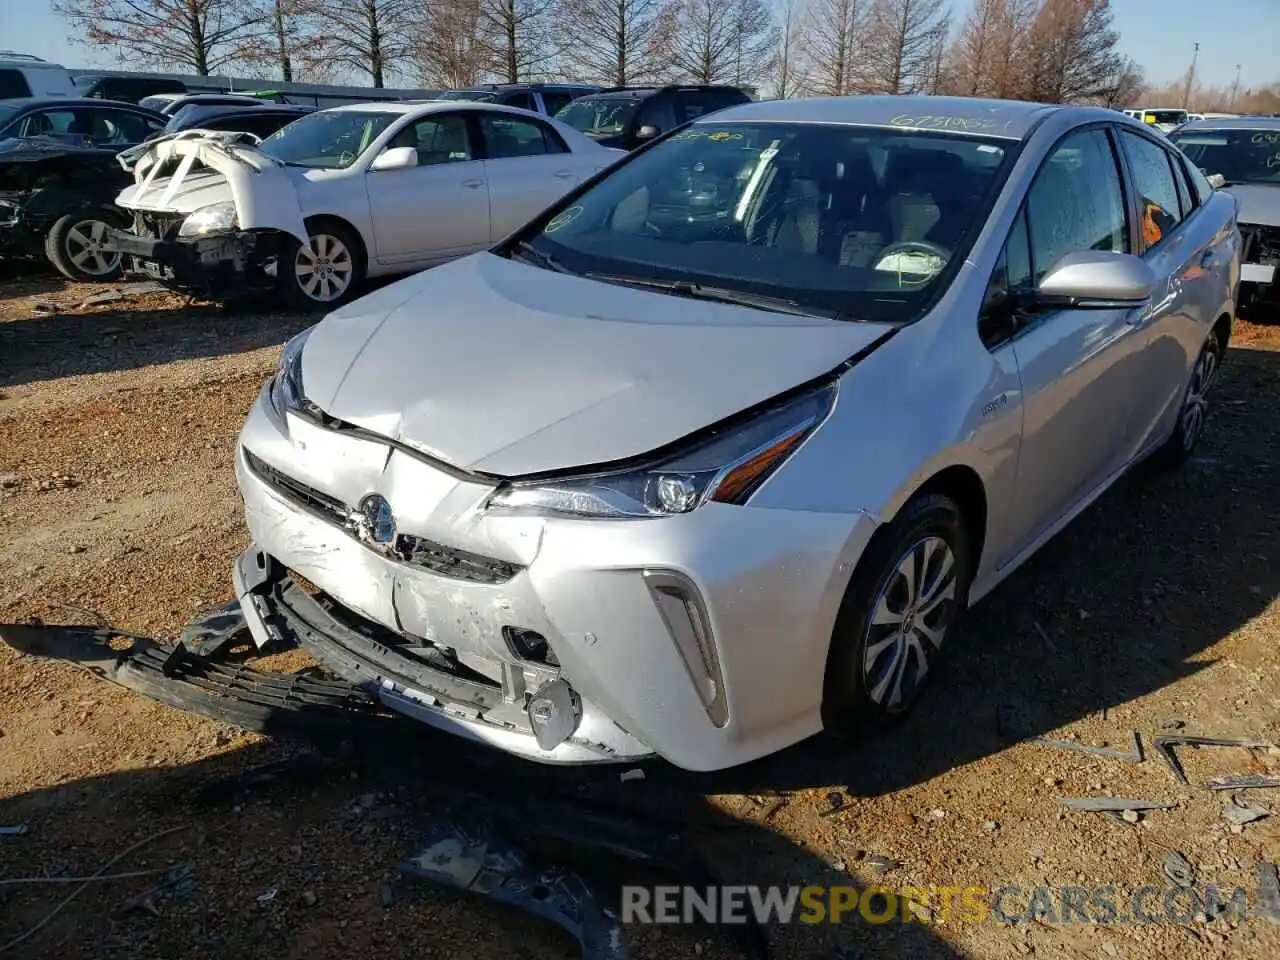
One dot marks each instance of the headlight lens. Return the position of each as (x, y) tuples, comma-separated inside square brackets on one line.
[(728, 468), (286, 386), (215, 218)]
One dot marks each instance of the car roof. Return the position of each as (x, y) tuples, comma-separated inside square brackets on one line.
[(1007, 119), (1231, 123), (420, 107), (33, 103), (208, 109)]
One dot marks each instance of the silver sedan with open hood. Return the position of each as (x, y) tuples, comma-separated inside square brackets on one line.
[(713, 453)]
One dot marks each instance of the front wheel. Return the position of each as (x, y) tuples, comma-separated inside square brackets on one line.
[(326, 272), (898, 612), (76, 246)]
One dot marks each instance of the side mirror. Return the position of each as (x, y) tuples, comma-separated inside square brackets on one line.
[(1216, 180), (647, 132), (1096, 280), (395, 158)]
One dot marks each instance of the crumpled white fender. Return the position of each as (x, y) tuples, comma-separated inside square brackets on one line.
[(260, 186)]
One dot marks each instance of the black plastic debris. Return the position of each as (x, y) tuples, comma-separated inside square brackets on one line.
[(1112, 804), (478, 860), (1177, 868), (1133, 755), (1164, 747)]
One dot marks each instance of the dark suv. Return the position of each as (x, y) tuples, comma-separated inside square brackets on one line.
[(548, 98), (626, 117)]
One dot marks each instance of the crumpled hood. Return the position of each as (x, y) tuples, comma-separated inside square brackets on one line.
[(263, 190), (503, 368), (1259, 203)]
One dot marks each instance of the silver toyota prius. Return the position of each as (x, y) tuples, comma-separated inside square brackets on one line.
[(711, 455)]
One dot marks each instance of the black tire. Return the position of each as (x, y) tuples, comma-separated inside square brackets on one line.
[(1193, 414), (74, 245), (850, 701), (321, 233)]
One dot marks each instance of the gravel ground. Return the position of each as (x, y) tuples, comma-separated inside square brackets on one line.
[(117, 502)]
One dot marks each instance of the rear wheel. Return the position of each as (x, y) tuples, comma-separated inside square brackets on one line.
[(326, 272), (76, 246), (1194, 413), (898, 611)]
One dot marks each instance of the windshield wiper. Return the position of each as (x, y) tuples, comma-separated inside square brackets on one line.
[(700, 291), (531, 254)]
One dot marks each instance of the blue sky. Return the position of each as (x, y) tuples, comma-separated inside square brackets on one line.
[(1159, 34)]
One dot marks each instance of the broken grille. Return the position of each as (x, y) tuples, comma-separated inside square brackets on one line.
[(413, 550)]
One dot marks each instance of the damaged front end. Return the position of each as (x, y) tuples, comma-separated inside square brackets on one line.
[(211, 213), (43, 179)]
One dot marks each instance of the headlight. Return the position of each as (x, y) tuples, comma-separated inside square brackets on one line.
[(215, 218), (728, 467), (286, 386)]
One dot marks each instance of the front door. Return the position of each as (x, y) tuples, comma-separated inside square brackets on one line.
[(438, 209), (1076, 366)]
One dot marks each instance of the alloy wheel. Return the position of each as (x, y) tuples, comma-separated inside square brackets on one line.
[(1195, 409), (87, 249), (915, 606), (324, 268)]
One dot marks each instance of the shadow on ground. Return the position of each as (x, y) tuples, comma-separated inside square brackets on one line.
[(133, 334), (324, 831)]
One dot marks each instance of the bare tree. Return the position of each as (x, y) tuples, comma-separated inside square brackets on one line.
[(521, 37), (1071, 54), (974, 56), (789, 77), (373, 37), (1126, 86), (453, 49), (721, 41), (618, 42), (201, 35), (1012, 49), (287, 37), (902, 48), (834, 40)]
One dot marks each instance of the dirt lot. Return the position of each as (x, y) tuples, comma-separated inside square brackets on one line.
[(117, 501)]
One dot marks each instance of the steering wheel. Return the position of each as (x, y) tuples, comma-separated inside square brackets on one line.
[(908, 251)]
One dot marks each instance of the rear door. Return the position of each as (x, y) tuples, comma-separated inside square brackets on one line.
[(438, 209), (1185, 252), (527, 166)]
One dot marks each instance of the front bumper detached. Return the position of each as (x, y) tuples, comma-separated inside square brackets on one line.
[(546, 723), (214, 266)]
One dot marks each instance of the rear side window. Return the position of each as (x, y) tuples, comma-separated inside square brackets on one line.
[(524, 101), (1185, 196), (511, 137), (1157, 192), (556, 101), (13, 84)]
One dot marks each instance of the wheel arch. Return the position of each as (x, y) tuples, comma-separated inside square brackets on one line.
[(317, 219)]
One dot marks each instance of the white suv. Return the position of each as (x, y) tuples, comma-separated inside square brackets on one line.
[(22, 75)]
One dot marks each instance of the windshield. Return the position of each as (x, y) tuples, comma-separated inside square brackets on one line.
[(1165, 116), (331, 140), (599, 116), (857, 222), (1240, 156), (481, 96)]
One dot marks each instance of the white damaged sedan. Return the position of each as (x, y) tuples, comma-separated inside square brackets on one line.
[(713, 453), (345, 193)]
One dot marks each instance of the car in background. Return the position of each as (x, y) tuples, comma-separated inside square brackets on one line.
[(548, 98), (56, 204), (22, 75), (625, 117), (1162, 118), (261, 120), (171, 103), (344, 193), (1242, 155), (99, 123), (706, 486), (128, 89)]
